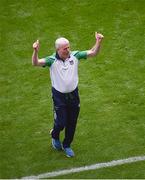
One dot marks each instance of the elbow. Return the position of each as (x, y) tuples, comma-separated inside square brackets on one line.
[(34, 63), (92, 53), (95, 53)]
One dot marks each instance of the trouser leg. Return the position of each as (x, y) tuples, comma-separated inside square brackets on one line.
[(60, 113), (60, 117), (66, 114), (73, 112)]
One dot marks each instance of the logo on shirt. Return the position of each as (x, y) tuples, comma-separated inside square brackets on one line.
[(71, 62)]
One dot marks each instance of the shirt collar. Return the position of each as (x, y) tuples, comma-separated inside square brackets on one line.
[(58, 57)]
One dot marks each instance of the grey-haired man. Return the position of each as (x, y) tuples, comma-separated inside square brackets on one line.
[(63, 65)]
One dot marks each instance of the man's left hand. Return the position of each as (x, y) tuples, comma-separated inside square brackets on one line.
[(99, 37)]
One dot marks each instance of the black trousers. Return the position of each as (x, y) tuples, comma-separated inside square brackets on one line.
[(66, 111)]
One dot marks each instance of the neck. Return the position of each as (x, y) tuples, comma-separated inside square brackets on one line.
[(62, 57)]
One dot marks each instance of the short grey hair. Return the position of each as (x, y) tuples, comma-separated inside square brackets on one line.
[(61, 41)]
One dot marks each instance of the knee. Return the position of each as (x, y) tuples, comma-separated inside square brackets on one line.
[(59, 126)]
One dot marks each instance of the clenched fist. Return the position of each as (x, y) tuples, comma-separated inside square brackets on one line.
[(99, 36), (36, 45)]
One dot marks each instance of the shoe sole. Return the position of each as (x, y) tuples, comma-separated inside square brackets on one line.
[(69, 156)]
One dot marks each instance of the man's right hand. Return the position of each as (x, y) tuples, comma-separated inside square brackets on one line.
[(36, 45)]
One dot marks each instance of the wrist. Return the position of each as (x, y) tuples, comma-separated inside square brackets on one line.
[(35, 50), (97, 41)]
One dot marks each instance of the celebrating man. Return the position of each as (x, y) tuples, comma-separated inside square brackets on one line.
[(63, 66)]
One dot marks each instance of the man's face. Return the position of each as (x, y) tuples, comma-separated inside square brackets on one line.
[(64, 51)]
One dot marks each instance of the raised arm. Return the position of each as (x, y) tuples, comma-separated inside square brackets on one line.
[(95, 49), (35, 60)]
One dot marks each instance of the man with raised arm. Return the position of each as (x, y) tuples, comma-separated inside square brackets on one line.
[(63, 65)]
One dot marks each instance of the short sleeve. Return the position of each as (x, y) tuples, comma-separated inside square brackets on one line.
[(80, 54), (49, 61)]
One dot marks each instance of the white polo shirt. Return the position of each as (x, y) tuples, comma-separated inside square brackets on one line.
[(64, 74)]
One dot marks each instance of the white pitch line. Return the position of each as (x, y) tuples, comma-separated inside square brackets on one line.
[(86, 168)]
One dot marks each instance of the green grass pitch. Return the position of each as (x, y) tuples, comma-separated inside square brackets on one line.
[(111, 123)]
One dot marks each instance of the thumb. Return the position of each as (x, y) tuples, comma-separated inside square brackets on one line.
[(96, 33)]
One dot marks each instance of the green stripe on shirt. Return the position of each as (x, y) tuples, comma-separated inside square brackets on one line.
[(80, 54)]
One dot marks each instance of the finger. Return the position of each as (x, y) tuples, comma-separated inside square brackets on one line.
[(100, 36), (96, 33), (34, 45)]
